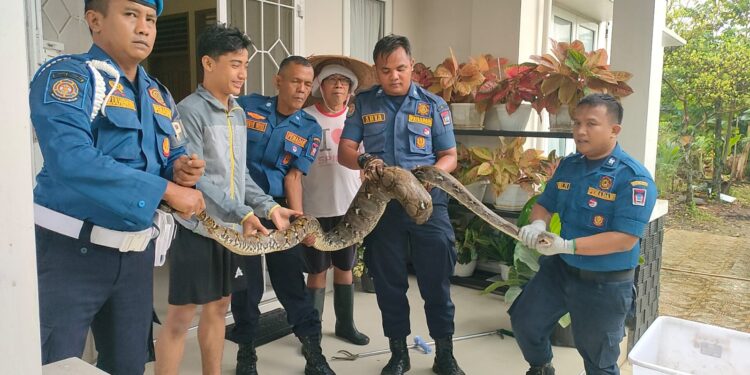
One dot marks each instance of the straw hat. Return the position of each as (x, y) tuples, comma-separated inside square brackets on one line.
[(364, 72)]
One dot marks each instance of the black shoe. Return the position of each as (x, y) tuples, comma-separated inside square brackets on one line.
[(545, 369), (399, 363), (343, 304), (445, 363), (316, 363), (247, 360)]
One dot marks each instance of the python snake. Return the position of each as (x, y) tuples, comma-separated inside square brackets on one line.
[(363, 214)]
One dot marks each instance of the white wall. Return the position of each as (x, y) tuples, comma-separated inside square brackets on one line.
[(19, 311), (324, 25)]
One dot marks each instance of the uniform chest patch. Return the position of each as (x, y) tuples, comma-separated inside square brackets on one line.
[(155, 94), (118, 88), (420, 120), (256, 125), (592, 203), (605, 183), (639, 197), (165, 147), (120, 102), (423, 109), (602, 194), (255, 116), (563, 185), (373, 118), (598, 221), (296, 139), (420, 142), (286, 159), (162, 110)]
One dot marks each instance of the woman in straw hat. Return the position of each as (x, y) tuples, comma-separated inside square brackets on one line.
[(329, 188)]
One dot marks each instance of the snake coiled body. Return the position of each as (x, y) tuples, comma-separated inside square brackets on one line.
[(363, 214)]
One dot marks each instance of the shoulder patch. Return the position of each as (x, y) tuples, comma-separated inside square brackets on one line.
[(446, 116), (351, 110), (639, 183), (66, 87)]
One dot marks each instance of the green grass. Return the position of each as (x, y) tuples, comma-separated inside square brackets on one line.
[(701, 216), (741, 192)]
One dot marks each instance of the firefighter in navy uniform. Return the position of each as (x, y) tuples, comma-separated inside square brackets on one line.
[(403, 125), (282, 142), (111, 142), (604, 198)]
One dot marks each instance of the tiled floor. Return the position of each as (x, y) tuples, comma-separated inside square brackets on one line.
[(474, 313)]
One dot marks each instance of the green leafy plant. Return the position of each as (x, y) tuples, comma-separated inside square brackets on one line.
[(569, 73), (359, 265)]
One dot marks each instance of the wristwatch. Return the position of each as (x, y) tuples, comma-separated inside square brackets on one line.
[(363, 158)]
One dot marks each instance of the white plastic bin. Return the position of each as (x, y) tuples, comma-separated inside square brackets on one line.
[(678, 347)]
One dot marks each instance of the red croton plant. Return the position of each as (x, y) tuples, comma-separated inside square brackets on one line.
[(569, 73), (457, 83), (511, 85)]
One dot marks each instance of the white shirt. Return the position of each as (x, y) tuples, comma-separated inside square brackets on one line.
[(329, 187)]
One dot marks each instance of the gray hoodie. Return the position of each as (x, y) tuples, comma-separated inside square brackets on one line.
[(219, 137)]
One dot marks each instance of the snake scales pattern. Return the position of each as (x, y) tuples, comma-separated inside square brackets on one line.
[(363, 214)]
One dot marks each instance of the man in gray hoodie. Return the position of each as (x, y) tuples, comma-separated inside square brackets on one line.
[(202, 272)]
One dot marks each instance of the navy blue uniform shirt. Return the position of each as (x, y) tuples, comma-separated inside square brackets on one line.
[(617, 195), (408, 135), (274, 148), (111, 171)]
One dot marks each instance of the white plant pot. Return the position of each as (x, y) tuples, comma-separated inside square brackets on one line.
[(478, 188), (561, 121), (489, 195), (465, 270), (494, 266), (466, 116), (513, 198), (497, 118)]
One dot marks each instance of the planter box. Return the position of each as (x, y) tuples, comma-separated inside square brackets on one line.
[(513, 198), (497, 118), (560, 121), (494, 266), (466, 116), (477, 189), (465, 270)]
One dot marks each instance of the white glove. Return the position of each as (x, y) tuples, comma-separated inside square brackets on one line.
[(529, 233), (555, 245)]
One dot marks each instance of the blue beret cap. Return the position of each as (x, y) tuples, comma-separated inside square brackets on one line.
[(156, 4)]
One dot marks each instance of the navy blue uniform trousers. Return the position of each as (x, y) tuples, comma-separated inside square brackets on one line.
[(83, 285), (597, 311), (285, 270), (433, 257)]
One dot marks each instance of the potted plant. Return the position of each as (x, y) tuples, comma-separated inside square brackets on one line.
[(457, 84), (508, 94), (422, 75), (569, 73), (507, 165)]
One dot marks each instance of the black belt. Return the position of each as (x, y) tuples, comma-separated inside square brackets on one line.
[(600, 276)]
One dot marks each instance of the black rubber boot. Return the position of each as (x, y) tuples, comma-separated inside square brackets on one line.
[(445, 363), (316, 363), (343, 304), (399, 363), (247, 360), (319, 299), (545, 369)]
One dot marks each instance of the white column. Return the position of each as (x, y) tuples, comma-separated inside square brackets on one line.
[(19, 310), (637, 27)]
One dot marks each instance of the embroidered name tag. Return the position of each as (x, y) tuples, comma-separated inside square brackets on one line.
[(373, 117), (256, 116), (563, 185), (296, 139), (118, 101), (601, 194), (256, 125), (420, 120), (162, 110)]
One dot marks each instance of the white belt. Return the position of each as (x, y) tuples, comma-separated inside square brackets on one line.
[(71, 227)]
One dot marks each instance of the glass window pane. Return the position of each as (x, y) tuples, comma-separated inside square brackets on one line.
[(269, 72), (586, 36), (270, 25), (254, 81), (562, 30)]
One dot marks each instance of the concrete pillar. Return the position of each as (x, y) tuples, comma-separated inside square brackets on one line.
[(637, 28), (19, 311)]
